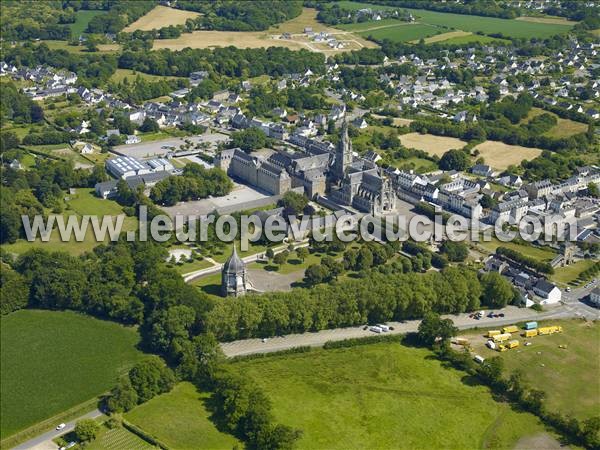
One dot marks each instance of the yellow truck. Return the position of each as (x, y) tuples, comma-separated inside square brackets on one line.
[(513, 344), (510, 329), (549, 330), (502, 337), (530, 333), (492, 333)]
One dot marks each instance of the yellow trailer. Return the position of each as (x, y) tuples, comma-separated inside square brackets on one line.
[(461, 341), (502, 348), (510, 329), (502, 337), (530, 333), (513, 344), (492, 333), (549, 330)]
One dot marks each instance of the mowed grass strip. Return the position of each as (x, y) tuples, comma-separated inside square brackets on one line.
[(383, 396), (181, 420), (82, 19), (52, 361)]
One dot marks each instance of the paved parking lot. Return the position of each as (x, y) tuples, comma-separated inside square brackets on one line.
[(145, 150)]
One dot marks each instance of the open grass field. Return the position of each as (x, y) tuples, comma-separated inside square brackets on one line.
[(511, 28), (569, 274), (568, 376), (181, 420), (131, 75), (188, 267), (563, 127), (419, 165), (52, 361), (307, 18), (160, 17), (371, 25), (500, 155), (434, 145), (384, 396), (117, 439), (82, 18), (489, 25), (83, 202)]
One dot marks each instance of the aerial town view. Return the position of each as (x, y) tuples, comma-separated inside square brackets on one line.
[(300, 224)]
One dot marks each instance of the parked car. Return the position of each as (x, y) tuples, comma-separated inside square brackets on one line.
[(61, 426)]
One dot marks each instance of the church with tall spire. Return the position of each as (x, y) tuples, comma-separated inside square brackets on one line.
[(343, 154), (359, 183)]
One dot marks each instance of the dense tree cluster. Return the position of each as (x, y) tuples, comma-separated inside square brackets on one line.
[(228, 61), (195, 183), (455, 160), (145, 380), (230, 15), (18, 107), (248, 140), (28, 192), (247, 413), (47, 20), (15, 290), (120, 14), (377, 297)]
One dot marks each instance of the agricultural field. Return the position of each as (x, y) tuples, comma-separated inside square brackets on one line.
[(446, 36), (160, 17), (268, 38), (181, 419), (82, 18), (563, 127), (117, 439), (434, 145), (402, 33), (469, 38), (384, 396), (500, 155), (53, 361), (83, 202), (490, 25), (565, 374)]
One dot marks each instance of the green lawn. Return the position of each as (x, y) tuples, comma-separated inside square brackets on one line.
[(188, 267), (180, 419), (419, 165), (83, 202), (568, 376), (570, 273), (542, 254), (52, 361), (117, 439), (361, 26), (82, 18), (384, 396)]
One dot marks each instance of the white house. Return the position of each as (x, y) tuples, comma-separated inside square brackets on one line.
[(133, 139), (549, 293), (87, 149)]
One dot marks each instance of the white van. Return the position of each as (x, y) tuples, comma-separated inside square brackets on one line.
[(376, 329), (384, 328)]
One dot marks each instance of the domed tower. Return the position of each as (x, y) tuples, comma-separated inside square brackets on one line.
[(234, 276)]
